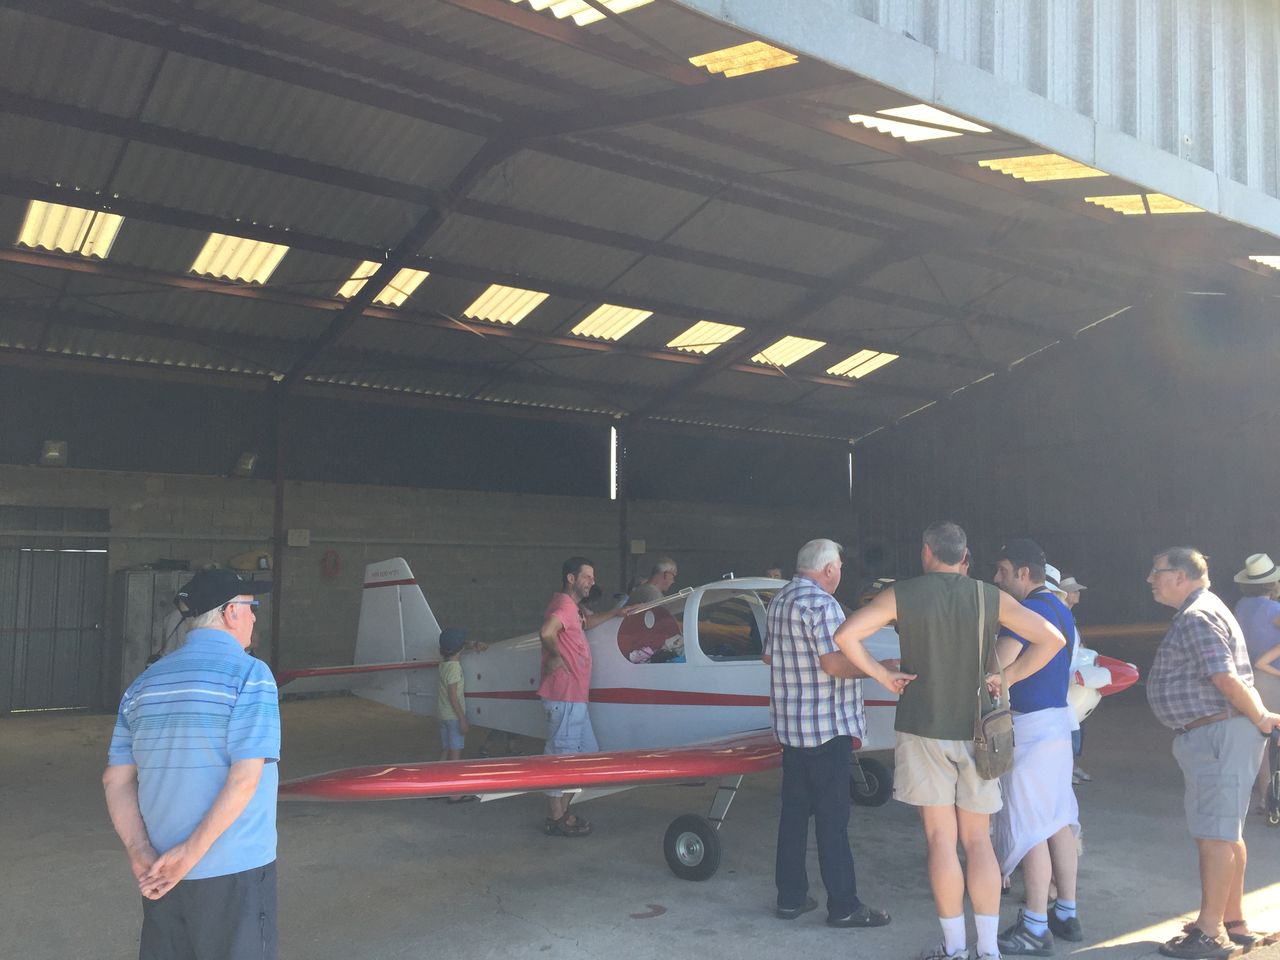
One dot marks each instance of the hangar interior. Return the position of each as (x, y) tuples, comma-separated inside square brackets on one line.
[(484, 283)]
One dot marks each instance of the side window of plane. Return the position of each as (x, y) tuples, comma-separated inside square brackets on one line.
[(651, 636), (729, 625)]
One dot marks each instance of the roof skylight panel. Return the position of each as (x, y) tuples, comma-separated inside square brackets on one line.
[(400, 288), (861, 363), (1137, 204), (745, 58), (787, 351), (1042, 167), (1266, 260), (501, 304), (55, 226), (394, 294), (609, 322), (583, 13), (238, 258), (895, 122), (705, 336), (924, 113)]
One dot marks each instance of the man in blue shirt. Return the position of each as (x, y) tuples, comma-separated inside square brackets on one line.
[(1039, 822), (191, 783)]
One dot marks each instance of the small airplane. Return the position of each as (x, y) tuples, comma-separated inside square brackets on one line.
[(679, 693)]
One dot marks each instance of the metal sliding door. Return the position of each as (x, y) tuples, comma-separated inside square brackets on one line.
[(52, 605)]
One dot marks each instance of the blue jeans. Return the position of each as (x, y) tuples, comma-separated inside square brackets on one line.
[(815, 783)]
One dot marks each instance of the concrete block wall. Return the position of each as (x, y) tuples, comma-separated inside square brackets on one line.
[(487, 561)]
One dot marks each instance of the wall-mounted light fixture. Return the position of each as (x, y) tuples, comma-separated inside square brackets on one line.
[(53, 453), (245, 464)]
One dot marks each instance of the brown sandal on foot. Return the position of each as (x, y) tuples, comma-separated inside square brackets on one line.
[(567, 826), (1238, 932)]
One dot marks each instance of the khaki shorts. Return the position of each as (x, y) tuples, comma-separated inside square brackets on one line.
[(941, 773)]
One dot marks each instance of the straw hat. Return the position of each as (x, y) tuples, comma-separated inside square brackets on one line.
[(1258, 569)]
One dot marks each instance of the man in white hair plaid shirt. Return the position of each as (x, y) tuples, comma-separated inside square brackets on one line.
[(816, 706)]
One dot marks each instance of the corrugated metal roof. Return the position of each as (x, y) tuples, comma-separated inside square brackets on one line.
[(738, 214)]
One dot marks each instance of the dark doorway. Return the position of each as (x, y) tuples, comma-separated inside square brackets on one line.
[(53, 580)]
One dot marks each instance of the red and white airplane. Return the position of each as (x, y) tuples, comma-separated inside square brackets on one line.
[(678, 692)]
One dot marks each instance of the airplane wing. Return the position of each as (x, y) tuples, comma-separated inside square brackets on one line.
[(727, 756)]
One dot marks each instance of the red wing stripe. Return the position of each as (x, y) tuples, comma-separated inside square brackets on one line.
[(390, 583), (745, 753), (684, 698)]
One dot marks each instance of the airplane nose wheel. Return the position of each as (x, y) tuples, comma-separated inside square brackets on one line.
[(870, 783), (692, 847)]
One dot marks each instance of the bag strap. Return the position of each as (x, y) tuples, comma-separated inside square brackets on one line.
[(982, 636)]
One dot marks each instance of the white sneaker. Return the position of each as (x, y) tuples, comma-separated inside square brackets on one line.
[(939, 952)]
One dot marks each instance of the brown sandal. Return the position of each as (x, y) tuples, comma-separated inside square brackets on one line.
[(567, 826), (1238, 932)]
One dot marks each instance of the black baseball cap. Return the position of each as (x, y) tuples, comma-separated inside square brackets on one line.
[(1022, 552), (210, 589)]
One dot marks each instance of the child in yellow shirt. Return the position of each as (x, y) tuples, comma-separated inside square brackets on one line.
[(451, 699)]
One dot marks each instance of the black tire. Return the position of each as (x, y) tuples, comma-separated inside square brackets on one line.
[(878, 788), (692, 847)]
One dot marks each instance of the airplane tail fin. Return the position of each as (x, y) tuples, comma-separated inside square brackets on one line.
[(396, 626), (397, 645), (396, 623)]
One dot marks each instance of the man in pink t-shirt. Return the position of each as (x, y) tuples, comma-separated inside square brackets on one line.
[(566, 681)]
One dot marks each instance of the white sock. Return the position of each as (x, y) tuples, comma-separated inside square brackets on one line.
[(988, 926), (953, 935)]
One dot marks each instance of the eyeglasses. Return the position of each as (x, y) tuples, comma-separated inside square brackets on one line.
[(1155, 570), (253, 604)]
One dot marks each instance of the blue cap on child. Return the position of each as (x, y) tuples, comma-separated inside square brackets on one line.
[(452, 639)]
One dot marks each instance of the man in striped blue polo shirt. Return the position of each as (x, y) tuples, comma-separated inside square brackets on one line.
[(815, 702), (191, 783)]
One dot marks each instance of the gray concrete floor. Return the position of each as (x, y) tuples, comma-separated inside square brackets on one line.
[(420, 878)]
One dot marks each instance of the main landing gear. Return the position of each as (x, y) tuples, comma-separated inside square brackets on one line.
[(870, 783), (692, 843)]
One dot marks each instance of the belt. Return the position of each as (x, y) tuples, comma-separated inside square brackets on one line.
[(1203, 721)]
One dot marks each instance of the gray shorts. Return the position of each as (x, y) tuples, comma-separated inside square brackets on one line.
[(568, 730), (1219, 762), (941, 773)]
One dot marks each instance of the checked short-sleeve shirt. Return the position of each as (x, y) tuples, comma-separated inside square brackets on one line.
[(1203, 639), (807, 706)]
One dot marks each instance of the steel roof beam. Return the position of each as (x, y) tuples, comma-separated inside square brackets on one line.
[(359, 361), (484, 160), (436, 320)]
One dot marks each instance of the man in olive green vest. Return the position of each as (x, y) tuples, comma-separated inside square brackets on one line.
[(938, 627)]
